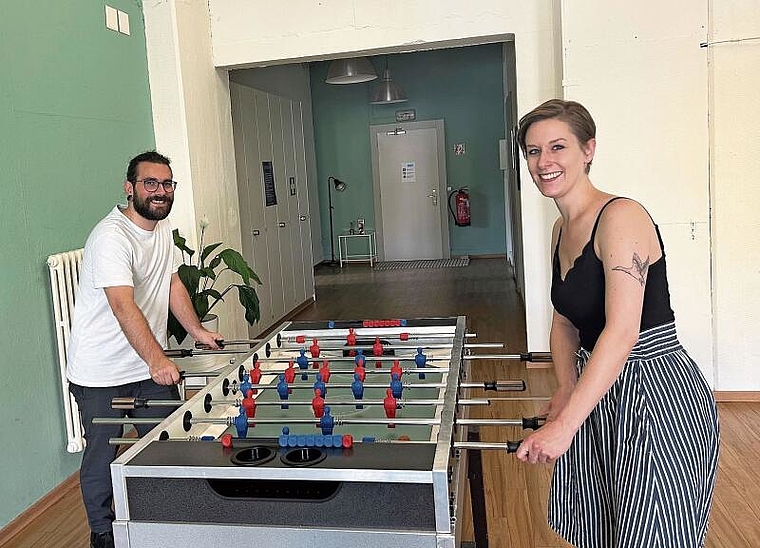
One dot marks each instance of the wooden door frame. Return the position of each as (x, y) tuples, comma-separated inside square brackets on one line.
[(439, 127)]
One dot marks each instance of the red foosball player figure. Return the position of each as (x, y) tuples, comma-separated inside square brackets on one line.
[(377, 348), (314, 349), (351, 341), (290, 375), (318, 404), (325, 371), (390, 404), (256, 375), (249, 404), (396, 369), (359, 370)]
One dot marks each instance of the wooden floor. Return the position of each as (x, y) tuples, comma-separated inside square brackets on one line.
[(516, 493)]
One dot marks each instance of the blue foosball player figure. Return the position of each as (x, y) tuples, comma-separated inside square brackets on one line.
[(283, 391), (397, 387), (303, 363), (357, 387), (320, 385), (241, 424), (327, 422), (420, 359)]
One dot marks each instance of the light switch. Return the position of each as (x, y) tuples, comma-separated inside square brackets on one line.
[(123, 22), (112, 18)]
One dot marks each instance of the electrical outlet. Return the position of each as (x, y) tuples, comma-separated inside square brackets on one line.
[(123, 22), (112, 18)]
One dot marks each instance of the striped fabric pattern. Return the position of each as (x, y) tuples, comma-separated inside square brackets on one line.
[(641, 470)]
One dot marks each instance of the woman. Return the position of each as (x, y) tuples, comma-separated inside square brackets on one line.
[(633, 424)]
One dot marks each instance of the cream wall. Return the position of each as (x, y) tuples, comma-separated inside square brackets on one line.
[(650, 106), (193, 126), (735, 131), (669, 134)]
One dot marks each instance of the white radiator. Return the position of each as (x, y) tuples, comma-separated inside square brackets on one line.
[(64, 281)]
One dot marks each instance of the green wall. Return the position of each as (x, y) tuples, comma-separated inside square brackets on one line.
[(462, 86), (74, 107)]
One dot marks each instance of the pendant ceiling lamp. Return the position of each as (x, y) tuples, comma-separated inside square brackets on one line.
[(387, 91), (350, 71)]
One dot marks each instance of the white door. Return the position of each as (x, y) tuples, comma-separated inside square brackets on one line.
[(251, 192), (412, 194), (268, 177)]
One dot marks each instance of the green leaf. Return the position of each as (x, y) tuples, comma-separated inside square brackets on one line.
[(207, 251), (214, 294), (208, 272), (200, 304), (175, 328), (216, 261), (249, 299), (180, 242), (237, 263), (190, 276)]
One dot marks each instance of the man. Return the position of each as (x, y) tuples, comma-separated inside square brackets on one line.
[(128, 284)]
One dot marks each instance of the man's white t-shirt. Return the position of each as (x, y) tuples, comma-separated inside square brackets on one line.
[(119, 253)]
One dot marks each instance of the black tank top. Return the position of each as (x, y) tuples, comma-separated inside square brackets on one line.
[(580, 296)]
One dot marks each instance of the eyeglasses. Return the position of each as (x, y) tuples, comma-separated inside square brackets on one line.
[(151, 185)]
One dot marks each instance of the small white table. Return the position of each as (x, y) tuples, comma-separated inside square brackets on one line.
[(368, 249)]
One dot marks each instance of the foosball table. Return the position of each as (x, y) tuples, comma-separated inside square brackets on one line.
[(329, 434)]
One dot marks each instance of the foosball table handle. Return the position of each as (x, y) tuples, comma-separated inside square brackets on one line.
[(537, 357), (512, 446), (533, 423)]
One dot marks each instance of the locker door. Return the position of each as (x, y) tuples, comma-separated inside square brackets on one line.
[(291, 175), (302, 194), (267, 173), (284, 228), (251, 193)]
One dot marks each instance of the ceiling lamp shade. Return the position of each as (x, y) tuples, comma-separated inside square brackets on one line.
[(387, 91), (350, 71)]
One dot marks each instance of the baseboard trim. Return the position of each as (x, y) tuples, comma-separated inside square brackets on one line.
[(736, 396), (24, 519)]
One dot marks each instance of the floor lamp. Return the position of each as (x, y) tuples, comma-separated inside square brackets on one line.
[(340, 186)]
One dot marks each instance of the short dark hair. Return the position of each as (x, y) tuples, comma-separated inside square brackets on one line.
[(574, 114), (150, 156)]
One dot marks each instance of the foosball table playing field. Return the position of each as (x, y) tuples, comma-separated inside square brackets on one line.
[(325, 434)]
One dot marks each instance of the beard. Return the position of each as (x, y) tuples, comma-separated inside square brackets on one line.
[(151, 212)]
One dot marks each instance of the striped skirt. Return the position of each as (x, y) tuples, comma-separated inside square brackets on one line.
[(641, 470)]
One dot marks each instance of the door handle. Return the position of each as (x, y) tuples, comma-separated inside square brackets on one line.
[(281, 224), (257, 232), (434, 196), (302, 218)]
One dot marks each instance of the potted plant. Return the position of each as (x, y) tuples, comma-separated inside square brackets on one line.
[(200, 277)]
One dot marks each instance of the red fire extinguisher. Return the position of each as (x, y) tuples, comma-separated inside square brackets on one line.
[(461, 210)]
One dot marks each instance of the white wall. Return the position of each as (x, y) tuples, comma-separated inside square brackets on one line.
[(735, 132), (640, 69), (650, 106), (193, 126)]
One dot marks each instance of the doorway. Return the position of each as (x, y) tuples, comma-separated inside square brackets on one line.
[(409, 184)]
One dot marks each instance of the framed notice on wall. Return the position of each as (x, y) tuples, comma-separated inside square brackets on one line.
[(269, 192)]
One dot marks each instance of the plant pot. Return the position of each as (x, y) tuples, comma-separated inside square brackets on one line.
[(200, 363)]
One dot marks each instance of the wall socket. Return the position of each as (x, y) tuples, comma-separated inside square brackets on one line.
[(117, 20)]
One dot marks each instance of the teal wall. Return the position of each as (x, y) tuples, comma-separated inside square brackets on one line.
[(462, 86), (74, 107)]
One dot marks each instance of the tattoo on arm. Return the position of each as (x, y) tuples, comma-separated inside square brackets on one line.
[(637, 270)]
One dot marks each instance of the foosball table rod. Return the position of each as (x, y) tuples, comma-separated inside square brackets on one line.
[(385, 346), (531, 423)]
